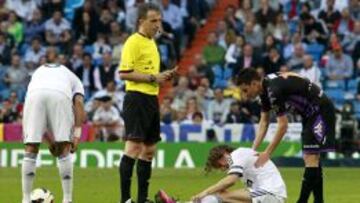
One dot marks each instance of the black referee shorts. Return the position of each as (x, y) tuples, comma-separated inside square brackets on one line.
[(142, 117), (319, 130)]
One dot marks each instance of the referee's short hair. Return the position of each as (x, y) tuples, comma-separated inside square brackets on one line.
[(144, 8)]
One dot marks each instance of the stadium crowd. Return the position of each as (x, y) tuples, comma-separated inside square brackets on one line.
[(319, 39)]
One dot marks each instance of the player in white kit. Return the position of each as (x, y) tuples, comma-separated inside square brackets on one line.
[(54, 103), (263, 184)]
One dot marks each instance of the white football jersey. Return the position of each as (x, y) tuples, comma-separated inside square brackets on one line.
[(266, 178), (56, 77)]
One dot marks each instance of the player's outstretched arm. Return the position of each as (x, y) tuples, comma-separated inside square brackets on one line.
[(222, 185), (261, 132), (282, 122)]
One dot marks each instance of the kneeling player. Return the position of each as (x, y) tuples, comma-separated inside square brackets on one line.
[(264, 184)]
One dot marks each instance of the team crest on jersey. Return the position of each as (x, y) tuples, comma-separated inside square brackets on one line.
[(229, 161)]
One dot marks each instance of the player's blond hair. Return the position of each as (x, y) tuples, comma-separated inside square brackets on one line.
[(215, 154)]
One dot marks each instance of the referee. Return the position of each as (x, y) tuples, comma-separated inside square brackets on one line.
[(140, 68)]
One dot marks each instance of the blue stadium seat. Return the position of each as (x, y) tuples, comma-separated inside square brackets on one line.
[(315, 50), (70, 6), (357, 106), (352, 84), (335, 84), (336, 95)]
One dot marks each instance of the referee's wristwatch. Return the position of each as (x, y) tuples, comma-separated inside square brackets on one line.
[(152, 78)]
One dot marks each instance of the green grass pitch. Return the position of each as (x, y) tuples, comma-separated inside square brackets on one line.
[(102, 186)]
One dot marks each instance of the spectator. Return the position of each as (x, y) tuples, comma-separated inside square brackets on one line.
[(273, 61), (330, 16), (203, 69), (310, 70), (213, 53), (247, 60), (197, 12), (24, 9), (313, 30), (218, 108), (115, 36), (76, 58), (105, 72), (222, 32), (170, 13), (167, 113), (86, 30), (234, 51), (192, 107), (296, 61), (265, 14), (351, 39), (57, 29), (5, 50), (100, 47), (340, 65), (15, 27), (270, 42), (237, 115), (279, 28), (181, 93), (107, 121), (88, 7), (86, 74), (34, 53), (252, 35), (354, 8), (17, 76), (117, 96), (346, 23), (7, 113), (104, 22), (232, 21), (35, 27)]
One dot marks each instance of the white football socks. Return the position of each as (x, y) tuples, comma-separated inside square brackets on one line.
[(28, 169), (66, 176)]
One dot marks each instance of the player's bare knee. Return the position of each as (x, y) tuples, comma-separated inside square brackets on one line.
[(63, 148), (311, 160), (32, 148)]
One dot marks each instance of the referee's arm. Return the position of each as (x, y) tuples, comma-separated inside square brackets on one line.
[(142, 77)]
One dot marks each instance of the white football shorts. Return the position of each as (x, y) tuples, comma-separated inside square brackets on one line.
[(47, 110)]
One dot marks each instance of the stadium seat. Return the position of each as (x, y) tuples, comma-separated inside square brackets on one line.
[(335, 84), (70, 6), (357, 106), (222, 75), (336, 95), (315, 50), (352, 84)]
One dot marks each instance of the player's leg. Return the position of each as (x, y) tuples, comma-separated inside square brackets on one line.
[(327, 144), (313, 135), (240, 196), (66, 170), (143, 170), (34, 122), (28, 170), (61, 122)]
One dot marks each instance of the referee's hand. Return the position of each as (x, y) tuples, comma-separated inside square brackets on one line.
[(164, 76)]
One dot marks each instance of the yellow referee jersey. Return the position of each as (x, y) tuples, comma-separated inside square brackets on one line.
[(140, 54)]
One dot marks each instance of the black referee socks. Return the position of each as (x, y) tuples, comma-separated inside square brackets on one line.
[(126, 169), (143, 171), (318, 186), (308, 183)]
